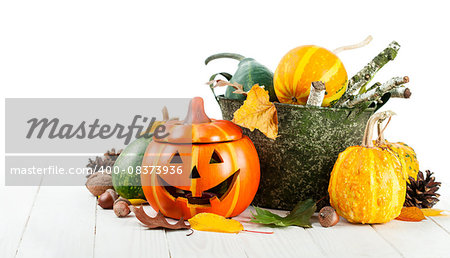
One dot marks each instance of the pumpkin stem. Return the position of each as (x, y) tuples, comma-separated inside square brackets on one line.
[(354, 46), (224, 55), (196, 113), (368, 134), (165, 113)]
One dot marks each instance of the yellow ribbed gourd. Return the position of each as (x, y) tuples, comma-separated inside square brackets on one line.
[(368, 183)]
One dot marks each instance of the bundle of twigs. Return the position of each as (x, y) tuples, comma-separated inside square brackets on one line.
[(357, 93)]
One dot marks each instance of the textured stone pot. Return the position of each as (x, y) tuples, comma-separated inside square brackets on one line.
[(297, 165)]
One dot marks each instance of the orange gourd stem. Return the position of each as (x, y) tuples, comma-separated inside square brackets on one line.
[(368, 133), (224, 55), (381, 139)]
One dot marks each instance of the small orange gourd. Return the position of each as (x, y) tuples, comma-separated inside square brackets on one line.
[(303, 65), (367, 184)]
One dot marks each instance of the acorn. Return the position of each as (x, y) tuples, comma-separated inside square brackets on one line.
[(328, 217), (106, 200), (122, 207)]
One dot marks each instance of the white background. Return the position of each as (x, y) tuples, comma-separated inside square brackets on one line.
[(157, 48)]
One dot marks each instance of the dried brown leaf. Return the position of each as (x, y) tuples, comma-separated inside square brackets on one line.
[(159, 221), (221, 83)]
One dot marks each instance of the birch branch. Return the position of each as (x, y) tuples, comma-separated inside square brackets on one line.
[(375, 85), (400, 92), (376, 93), (363, 77), (316, 94)]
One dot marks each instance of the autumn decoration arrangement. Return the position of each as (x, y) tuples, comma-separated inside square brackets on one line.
[(365, 178)]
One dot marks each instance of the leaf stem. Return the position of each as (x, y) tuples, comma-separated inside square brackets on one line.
[(259, 232)]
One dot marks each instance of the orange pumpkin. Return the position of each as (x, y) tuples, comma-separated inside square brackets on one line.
[(367, 184), (303, 65), (219, 167)]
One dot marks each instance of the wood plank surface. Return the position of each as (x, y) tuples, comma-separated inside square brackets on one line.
[(14, 216), (343, 240), (284, 242), (126, 237), (61, 224), (443, 221), (66, 222), (351, 240), (203, 244), (416, 239)]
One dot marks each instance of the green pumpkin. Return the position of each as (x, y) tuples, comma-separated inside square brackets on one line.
[(128, 185), (249, 73)]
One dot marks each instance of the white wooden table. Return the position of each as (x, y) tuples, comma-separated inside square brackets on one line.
[(66, 222)]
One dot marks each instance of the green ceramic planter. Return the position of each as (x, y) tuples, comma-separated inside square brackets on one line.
[(297, 165)]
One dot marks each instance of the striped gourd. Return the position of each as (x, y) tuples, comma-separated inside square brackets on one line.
[(303, 65)]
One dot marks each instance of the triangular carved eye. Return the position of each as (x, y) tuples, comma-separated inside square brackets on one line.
[(194, 173), (176, 159), (215, 158)]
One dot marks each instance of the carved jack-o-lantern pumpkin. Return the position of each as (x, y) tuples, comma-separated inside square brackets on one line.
[(203, 165)]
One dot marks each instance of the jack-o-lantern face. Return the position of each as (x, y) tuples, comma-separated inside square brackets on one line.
[(220, 177)]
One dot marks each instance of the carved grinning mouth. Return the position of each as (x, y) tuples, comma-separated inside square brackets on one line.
[(220, 191)]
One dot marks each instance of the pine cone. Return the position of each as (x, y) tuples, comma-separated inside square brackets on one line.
[(422, 192), (112, 154), (101, 163)]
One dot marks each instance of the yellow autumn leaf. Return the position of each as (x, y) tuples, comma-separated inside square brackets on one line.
[(258, 112), (137, 201), (215, 223), (432, 212)]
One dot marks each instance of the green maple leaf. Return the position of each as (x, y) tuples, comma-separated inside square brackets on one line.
[(299, 216)]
